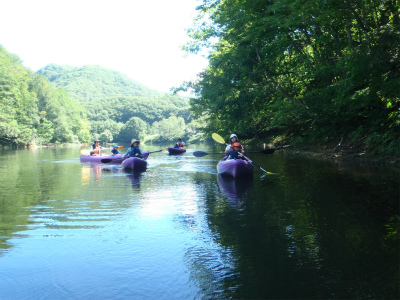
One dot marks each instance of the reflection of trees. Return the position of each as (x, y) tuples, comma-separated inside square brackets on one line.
[(208, 260), (39, 190), (309, 236)]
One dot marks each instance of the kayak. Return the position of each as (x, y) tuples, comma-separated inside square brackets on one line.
[(116, 159), (175, 151), (235, 167), (135, 163)]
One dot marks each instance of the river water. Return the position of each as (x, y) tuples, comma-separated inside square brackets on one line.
[(311, 230)]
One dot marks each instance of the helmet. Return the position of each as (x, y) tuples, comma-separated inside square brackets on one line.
[(116, 146), (236, 144), (232, 136)]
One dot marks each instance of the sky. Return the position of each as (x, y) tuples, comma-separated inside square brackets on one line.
[(139, 38)]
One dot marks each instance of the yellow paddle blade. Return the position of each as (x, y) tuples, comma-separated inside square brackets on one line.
[(216, 137), (120, 147)]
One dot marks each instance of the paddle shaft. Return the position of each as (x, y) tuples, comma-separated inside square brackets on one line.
[(108, 160)]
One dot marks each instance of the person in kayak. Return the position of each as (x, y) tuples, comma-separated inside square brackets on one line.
[(233, 139), (236, 153), (179, 144), (95, 149), (134, 150), (115, 150)]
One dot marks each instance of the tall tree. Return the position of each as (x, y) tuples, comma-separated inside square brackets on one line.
[(300, 68)]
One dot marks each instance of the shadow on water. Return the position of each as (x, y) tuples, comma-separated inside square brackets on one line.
[(135, 178), (235, 189)]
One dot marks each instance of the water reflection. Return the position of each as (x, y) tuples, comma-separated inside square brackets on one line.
[(235, 189), (135, 178), (93, 170), (306, 233)]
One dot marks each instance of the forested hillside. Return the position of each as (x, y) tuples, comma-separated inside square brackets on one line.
[(162, 118), (301, 71), (94, 82), (119, 108), (32, 111)]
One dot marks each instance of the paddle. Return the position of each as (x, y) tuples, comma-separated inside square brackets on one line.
[(256, 164), (87, 152), (220, 140), (107, 160), (202, 153)]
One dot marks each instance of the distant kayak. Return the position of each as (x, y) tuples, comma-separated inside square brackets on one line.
[(235, 167), (116, 159), (175, 151), (136, 164)]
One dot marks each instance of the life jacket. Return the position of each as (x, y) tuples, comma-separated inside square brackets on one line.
[(95, 150), (135, 150), (234, 155), (231, 148), (180, 145)]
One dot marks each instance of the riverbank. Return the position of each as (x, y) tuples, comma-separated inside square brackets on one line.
[(351, 156), (338, 153)]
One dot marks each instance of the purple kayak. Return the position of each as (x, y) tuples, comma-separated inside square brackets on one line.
[(136, 164), (235, 167), (116, 159), (175, 151)]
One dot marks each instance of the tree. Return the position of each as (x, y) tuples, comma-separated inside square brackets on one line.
[(308, 69), (169, 129), (134, 128)]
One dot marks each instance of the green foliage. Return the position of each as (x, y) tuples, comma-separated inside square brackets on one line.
[(94, 82), (114, 113), (34, 112), (18, 105), (134, 128), (309, 69), (169, 129), (115, 104)]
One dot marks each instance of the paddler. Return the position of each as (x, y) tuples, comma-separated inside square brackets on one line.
[(95, 149), (233, 139), (235, 153), (134, 150), (179, 144), (115, 150)]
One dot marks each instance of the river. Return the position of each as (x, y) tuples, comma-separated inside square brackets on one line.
[(310, 230)]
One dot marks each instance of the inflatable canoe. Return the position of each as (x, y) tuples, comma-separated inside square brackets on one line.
[(135, 164), (116, 159), (235, 167), (175, 151)]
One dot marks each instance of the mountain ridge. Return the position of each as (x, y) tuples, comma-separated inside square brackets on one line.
[(92, 82)]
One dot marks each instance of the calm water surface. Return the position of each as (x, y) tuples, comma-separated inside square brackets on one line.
[(312, 230)]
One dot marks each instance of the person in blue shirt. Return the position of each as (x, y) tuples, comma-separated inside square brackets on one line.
[(179, 144), (115, 150), (134, 150), (235, 153)]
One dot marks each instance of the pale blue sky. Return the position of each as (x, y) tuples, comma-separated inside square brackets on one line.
[(140, 38)]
